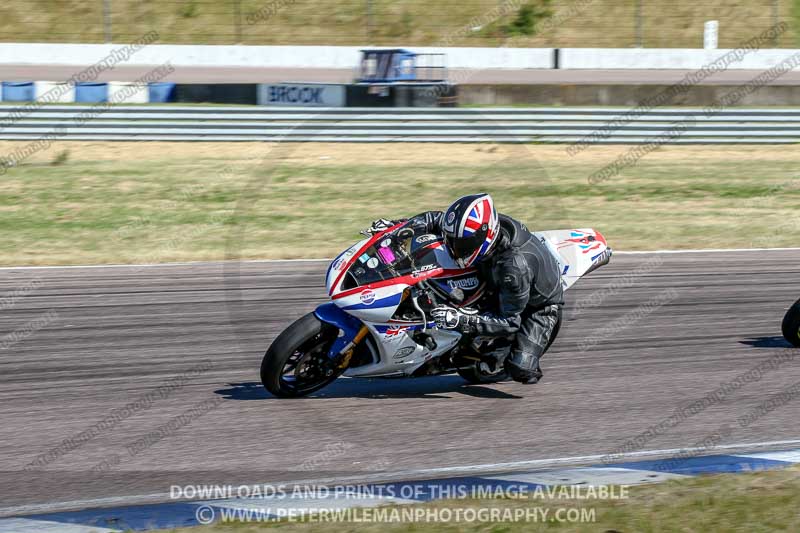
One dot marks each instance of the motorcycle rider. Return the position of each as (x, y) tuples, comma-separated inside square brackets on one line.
[(516, 265)]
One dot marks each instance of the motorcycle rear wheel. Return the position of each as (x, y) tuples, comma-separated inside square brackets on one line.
[(791, 324), (297, 362)]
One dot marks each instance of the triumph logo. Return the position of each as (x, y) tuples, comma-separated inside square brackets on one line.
[(463, 283)]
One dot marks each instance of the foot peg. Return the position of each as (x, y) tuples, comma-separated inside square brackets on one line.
[(425, 340)]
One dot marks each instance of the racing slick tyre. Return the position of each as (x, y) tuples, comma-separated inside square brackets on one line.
[(297, 362), (791, 324), (481, 373)]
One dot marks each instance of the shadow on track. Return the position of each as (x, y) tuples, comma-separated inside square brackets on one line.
[(435, 387), (767, 342)]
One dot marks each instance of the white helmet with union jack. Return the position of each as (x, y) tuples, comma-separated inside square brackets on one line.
[(470, 226)]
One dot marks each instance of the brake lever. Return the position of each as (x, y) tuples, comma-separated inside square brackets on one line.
[(424, 290)]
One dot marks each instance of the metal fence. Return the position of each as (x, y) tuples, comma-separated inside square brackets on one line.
[(581, 127), (560, 23)]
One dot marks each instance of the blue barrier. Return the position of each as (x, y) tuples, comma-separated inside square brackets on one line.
[(91, 93), (161, 92), (19, 91)]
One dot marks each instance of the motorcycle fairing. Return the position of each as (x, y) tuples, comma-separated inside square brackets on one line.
[(347, 324), (577, 251), (398, 353)]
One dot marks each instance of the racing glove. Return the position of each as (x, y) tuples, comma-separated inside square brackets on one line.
[(460, 319), (379, 225)]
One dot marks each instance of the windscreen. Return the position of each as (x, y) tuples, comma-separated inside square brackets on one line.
[(386, 259)]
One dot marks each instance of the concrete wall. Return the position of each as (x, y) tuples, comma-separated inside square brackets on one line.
[(620, 95), (669, 58), (347, 57), (492, 58), (261, 56)]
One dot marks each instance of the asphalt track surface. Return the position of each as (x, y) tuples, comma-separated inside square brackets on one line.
[(13, 72), (109, 336)]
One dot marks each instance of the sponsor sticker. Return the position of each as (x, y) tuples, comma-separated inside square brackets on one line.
[(367, 296), (451, 217), (426, 238), (419, 272), (387, 255), (403, 352), (394, 331), (463, 283), (338, 264)]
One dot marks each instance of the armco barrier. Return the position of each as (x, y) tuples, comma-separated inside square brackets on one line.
[(509, 125)]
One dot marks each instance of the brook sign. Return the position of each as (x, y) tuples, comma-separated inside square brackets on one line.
[(301, 95)]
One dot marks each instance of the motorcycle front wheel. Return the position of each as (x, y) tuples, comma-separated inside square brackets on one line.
[(791, 324), (297, 362)]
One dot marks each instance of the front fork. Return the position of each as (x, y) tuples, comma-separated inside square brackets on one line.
[(353, 332), (347, 352)]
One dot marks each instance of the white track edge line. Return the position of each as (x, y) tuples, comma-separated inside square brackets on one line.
[(321, 259), (703, 251), (402, 475)]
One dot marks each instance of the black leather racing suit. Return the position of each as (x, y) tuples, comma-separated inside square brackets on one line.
[(527, 280)]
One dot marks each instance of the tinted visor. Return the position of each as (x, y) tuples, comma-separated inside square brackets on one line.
[(461, 248)]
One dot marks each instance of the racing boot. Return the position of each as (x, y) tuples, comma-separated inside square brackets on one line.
[(523, 367)]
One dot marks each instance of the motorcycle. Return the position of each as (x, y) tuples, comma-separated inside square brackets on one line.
[(378, 322), (791, 324)]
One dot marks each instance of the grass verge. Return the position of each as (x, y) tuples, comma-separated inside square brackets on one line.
[(160, 202), (587, 23), (756, 502)]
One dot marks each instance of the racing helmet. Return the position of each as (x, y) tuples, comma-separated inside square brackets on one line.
[(470, 227)]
